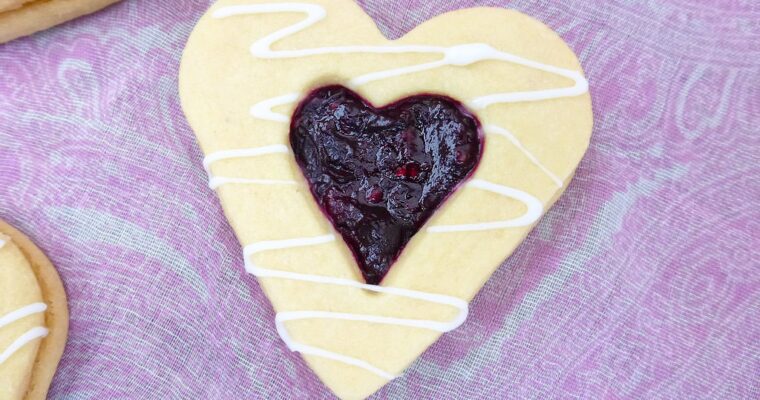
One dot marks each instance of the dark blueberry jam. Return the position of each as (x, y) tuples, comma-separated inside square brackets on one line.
[(379, 174)]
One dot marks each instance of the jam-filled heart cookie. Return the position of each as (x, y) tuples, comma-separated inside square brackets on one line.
[(33, 318), (376, 184)]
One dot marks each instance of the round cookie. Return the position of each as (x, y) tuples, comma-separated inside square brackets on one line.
[(23, 17), (35, 314), (246, 67)]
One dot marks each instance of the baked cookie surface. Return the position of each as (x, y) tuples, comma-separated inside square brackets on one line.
[(20, 18), (33, 318), (247, 66), (7, 5)]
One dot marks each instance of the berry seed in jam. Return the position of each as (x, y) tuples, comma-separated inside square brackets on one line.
[(379, 174)]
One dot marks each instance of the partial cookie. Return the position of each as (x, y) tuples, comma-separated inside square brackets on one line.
[(34, 318), (21, 18), (7, 5), (347, 165)]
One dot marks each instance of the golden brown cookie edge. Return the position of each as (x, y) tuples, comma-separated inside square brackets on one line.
[(56, 317), (39, 15)]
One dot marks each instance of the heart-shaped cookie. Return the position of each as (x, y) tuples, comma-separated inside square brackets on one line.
[(247, 67)]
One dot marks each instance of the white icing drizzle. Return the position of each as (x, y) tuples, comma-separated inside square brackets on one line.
[(258, 247), (263, 109), (22, 312), (29, 336), (215, 182), (460, 55), (283, 317), (534, 210), (2, 243), (314, 13), (497, 130)]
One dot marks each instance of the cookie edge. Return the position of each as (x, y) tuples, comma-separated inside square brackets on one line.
[(39, 15), (56, 317)]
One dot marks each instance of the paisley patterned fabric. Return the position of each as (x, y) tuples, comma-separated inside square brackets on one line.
[(643, 282)]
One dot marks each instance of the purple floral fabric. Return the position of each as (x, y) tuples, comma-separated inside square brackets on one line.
[(643, 282)]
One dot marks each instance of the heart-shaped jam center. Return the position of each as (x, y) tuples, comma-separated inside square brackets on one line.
[(379, 174)]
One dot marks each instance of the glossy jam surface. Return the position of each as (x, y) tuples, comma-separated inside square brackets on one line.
[(379, 174)]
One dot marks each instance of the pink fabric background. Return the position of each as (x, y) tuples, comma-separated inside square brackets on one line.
[(642, 283)]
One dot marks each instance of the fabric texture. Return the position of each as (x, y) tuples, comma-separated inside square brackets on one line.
[(643, 282)]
